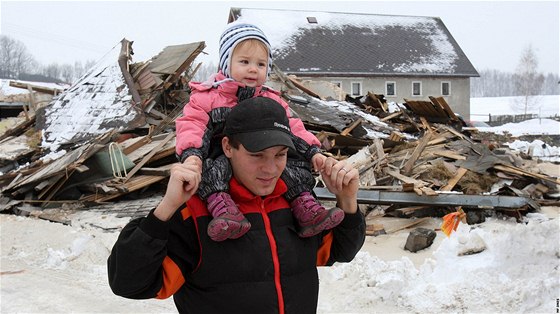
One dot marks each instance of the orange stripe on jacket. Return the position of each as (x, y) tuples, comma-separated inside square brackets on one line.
[(325, 250), (172, 279)]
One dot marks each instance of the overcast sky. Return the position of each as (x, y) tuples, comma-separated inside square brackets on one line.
[(493, 34)]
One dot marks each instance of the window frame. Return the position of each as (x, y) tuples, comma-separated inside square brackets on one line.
[(448, 88), (387, 83), (420, 88), (352, 89)]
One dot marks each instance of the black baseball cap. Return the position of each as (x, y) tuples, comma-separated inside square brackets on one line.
[(259, 123)]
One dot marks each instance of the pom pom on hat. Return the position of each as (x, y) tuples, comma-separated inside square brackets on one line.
[(233, 35)]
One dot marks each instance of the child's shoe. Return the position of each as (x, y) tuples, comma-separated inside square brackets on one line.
[(228, 222), (312, 217)]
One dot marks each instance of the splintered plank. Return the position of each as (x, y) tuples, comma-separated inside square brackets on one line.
[(518, 171), (304, 89), (391, 116), (349, 129), (149, 156), (136, 183), (451, 184), (441, 101), (407, 169), (411, 224)]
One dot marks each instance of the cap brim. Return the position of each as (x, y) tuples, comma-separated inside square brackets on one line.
[(261, 140)]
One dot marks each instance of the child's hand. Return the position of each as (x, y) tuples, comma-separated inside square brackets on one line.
[(318, 161), (195, 161)]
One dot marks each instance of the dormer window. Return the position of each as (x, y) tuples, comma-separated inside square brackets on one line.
[(311, 20)]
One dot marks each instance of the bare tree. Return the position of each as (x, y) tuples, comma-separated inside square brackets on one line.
[(551, 84), (528, 82), (204, 71), (67, 73), (14, 58), (52, 70)]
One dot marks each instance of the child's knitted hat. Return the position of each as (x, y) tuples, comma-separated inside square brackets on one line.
[(233, 35)]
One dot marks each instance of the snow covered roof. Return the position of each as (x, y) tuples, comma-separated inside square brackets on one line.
[(7, 90), (358, 44), (98, 102)]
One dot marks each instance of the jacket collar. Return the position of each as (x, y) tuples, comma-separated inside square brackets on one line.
[(223, 84)]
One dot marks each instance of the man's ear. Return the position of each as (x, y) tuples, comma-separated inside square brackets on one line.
[(226, 147)]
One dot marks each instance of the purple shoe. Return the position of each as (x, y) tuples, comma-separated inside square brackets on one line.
[(228, 222), (312, 217)]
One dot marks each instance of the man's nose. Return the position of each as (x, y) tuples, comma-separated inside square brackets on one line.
[(268, 165)]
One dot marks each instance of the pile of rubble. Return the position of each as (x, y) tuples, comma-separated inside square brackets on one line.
[(107, 143)]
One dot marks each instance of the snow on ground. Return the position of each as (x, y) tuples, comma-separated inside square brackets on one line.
[(49, 267), (543, 105), (517, 272), (547, 106), (529, 127)]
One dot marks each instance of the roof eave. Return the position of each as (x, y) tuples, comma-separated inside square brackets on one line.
[(373, 74)]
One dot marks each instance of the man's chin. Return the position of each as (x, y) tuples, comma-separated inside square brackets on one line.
[(264, 190)]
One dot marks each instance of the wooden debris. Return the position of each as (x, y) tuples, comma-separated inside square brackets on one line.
[(400, 151)]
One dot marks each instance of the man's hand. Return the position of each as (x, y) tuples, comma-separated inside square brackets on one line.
[(183, 183), (342, 180)]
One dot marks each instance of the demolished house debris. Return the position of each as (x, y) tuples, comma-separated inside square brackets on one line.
[(110, 138)]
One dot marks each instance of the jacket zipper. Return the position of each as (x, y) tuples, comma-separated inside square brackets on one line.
[(275, 261)]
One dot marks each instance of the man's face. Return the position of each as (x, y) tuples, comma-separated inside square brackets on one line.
[(249, 63), (260, 171)]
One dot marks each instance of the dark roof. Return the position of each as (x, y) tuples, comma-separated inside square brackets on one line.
[(349, 44)]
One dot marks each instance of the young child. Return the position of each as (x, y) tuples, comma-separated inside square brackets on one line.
[(245, 62)]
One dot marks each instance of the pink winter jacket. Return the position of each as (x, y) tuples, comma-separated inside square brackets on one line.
[(204, 116)]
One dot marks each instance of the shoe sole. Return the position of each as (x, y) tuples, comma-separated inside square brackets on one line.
[(220, 229), (335, 217)]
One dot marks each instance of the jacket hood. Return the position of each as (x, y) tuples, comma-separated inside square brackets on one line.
[(223, 83)]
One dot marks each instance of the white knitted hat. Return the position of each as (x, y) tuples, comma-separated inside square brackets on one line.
[(233, 35)]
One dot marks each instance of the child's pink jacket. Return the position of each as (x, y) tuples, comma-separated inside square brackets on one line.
[(209, 104)]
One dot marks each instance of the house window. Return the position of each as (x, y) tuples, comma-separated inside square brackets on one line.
[(356, 88), (445, 88), (337, 83), (416, 88), (311, 20), (390, 88)]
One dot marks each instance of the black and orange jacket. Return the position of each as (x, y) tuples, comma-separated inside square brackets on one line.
[(268, 270)]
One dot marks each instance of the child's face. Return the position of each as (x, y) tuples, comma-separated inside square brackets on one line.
[(249, 63)]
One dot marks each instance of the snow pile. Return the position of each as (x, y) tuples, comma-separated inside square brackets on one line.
[(528, 127), (538, 149), (517, 272), (55, 268)]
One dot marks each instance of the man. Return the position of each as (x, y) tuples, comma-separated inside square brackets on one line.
[(270, 269)]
